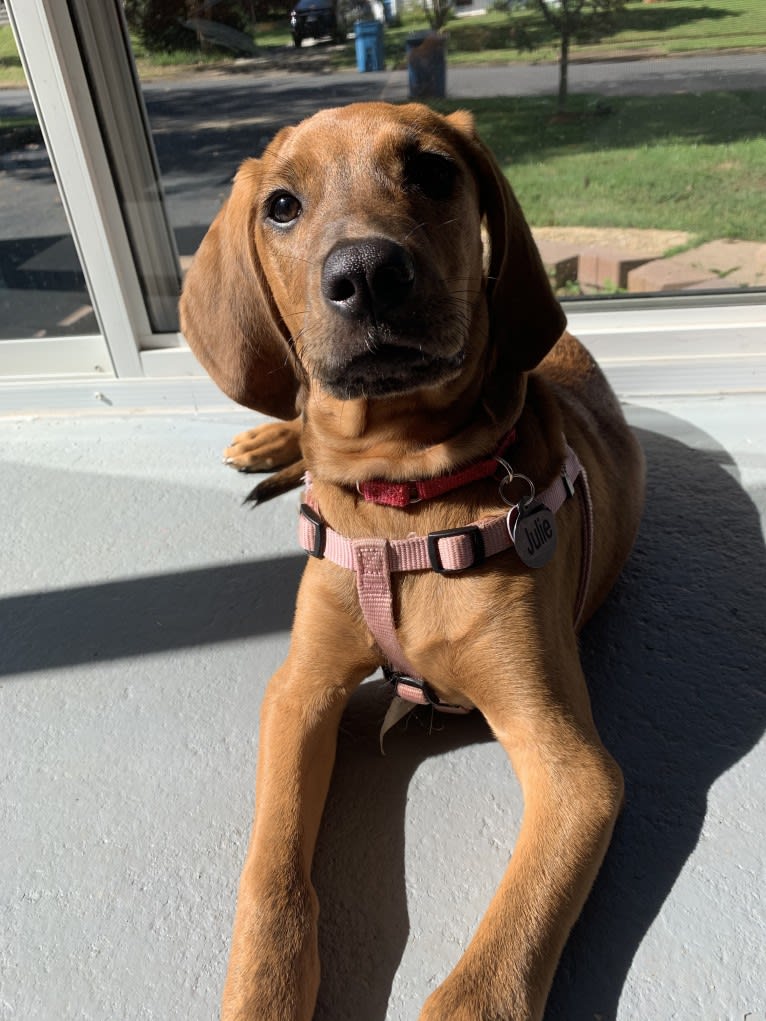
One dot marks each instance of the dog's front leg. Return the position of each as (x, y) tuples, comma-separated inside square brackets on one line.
[(274, 966), (572, 794)]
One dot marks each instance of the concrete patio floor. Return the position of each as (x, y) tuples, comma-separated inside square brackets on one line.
[(142, 610)]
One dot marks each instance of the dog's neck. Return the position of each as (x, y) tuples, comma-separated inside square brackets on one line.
[(386, 493), (416, 436)]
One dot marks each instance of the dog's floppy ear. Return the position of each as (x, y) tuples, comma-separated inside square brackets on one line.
[(526, 320), (228, 314)]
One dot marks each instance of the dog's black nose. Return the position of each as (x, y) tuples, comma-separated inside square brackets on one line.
[(367, 278)]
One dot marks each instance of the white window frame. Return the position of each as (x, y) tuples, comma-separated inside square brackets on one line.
[(701, 344), (68, 120)]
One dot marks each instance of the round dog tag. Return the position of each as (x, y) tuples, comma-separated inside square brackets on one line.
[(534, 535)]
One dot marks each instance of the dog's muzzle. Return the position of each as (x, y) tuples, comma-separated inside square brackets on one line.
[(393, 333)]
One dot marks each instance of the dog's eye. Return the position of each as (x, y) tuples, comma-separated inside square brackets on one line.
[(430, 173), (283, 208)]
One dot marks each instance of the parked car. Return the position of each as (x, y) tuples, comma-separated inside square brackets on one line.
[(312, 19)]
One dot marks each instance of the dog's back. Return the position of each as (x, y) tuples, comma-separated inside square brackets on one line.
[(595, 425)]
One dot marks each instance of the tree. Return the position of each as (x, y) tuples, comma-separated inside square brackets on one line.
[(579, 21)]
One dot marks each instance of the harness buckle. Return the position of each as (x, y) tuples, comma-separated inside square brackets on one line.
[(475, 538), (317, 548), (398, 681), (419, 692)]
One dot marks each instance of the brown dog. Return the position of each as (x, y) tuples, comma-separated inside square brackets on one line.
[(346, 280)]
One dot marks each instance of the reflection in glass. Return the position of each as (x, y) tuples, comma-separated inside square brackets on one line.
[(43, 292)]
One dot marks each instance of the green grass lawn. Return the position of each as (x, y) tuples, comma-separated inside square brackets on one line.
[(659, 29), (681, 162), (10, 64), (151, 65)]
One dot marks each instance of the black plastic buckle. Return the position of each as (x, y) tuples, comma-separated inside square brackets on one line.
[(471, 532), (319, 531)]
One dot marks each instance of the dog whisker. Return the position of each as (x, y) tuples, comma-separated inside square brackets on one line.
[(417, 227)]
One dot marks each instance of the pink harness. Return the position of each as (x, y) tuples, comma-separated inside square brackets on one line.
[(449, 552)]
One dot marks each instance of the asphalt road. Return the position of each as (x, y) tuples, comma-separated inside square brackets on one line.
[(205, 124), (660, 76)]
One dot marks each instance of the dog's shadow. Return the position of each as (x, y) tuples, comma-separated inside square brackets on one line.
[(673, 661)]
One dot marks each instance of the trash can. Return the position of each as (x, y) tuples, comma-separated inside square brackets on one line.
[(427, 63), (368, 38), (388, 10)]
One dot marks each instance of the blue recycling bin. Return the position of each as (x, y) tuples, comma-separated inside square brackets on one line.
[(368, 38), (427, 65)]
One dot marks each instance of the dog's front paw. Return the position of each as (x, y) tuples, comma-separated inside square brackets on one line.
[(265, 448)]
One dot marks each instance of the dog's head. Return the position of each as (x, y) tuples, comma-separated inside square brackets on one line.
[(348, 261)]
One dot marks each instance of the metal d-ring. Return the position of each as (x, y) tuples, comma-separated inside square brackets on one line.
[(508, 479)]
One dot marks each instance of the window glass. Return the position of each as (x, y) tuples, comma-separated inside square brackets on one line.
[(634, 133), (43, 292)]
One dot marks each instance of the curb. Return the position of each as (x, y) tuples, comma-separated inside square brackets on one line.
[(645, 268)]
